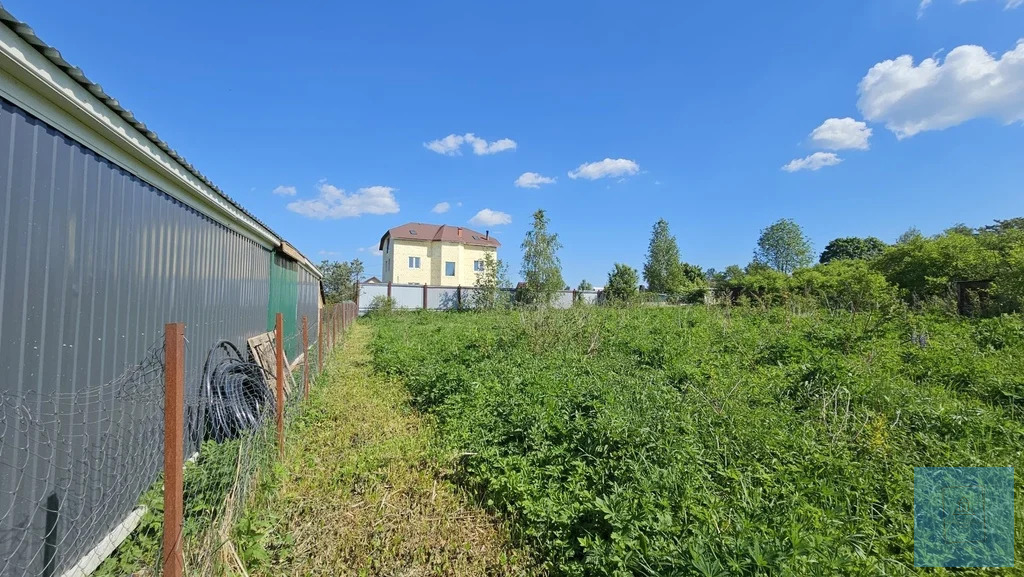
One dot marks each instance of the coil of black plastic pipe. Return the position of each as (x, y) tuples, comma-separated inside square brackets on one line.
[(236, 397)]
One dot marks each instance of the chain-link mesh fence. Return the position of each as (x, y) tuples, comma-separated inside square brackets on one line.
[(71, 462)]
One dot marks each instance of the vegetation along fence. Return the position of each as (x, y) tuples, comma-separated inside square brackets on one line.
[(452, 297), (140, 476)]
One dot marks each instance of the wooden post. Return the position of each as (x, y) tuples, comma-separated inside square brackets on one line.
[(305, 359), (320, 341), (424, 296), (279, 345), (357, 295), (174, 447), (389, 289), (458, 297)]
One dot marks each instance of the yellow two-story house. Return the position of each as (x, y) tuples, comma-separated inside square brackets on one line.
[(437, 255)]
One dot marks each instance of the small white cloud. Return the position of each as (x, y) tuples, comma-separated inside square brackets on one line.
[(532, 180), (605, 168), (332, 202), (938, 94), (441, 208), (488, 217), (458, 204), (1007, 5), (285, 190), (373, 249), (482, 147), (329, 253), (841, 133), (813, 162), (451, 145)]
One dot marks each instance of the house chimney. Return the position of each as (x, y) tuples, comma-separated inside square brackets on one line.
[(487, 235), (460, 232)]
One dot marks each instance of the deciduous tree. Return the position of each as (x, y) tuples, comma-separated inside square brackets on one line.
[(852, 247), (488, 294), (340, 278), (661, 269), (784, 247), (622, 284), (542, 269)]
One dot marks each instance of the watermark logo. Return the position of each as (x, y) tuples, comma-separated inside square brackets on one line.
[(963, 517)]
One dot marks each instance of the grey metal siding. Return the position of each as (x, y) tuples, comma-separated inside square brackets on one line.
[(93, 263)]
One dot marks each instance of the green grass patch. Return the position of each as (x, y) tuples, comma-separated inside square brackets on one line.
[(694, 441)]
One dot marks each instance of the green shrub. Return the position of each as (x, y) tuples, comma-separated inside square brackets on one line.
[(381, 305), (846, 284)]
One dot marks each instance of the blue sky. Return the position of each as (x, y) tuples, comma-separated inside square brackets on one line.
[(698, 107)]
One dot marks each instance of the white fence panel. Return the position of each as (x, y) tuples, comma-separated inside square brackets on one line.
[(407, 297), (442, 298)]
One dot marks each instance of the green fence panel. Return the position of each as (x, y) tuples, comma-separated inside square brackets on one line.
[(284, 298)]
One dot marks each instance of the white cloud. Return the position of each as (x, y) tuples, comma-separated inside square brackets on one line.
[(333, 202), (451, 145), (285, 190), (458, 204), (448, 145), (813, 162), (1007, 5), (481, 146), (533, 180), (373, 249), (329, 253), (841, 133), (934, 95), (488, 217), (605, 168), (441, 208)]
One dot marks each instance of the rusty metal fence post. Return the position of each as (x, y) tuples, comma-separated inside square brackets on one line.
[(279, 346), (305, 359), (174, 447)]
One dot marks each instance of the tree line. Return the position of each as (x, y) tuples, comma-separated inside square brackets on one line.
[(855, 273)]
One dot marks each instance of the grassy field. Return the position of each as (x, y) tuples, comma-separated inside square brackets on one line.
[(688, 441), (364, 490)]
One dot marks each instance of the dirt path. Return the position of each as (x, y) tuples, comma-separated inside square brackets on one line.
[(363, 489)]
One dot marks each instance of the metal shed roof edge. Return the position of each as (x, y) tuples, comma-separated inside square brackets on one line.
[(25, 32)]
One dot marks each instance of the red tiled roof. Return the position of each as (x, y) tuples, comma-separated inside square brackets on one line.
[(442, 232)]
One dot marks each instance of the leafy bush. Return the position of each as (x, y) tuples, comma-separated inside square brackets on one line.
[(381, 305), (846, 285), (695, 441)]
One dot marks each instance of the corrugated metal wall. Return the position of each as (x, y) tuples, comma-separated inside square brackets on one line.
[(93, 263), (284, 299), (309, 303)]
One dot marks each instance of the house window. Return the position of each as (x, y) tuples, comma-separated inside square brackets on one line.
[(449, 268), (414, 262), (478, 265)]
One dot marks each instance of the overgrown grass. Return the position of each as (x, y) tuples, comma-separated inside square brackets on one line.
[(207, 483), (364, 490), (689, 441)]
